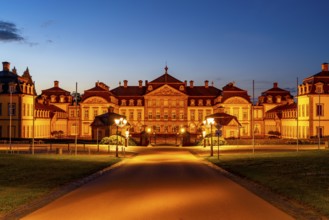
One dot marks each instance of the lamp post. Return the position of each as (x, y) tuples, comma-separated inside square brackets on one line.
[(182, 131), (204, 138), (119, 122), (148, 130), (210, 122), (127, 137)]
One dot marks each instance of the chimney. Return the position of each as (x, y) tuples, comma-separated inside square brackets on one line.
[(140, 83), (185, 82), (6, 66), (206, 84), (324, 67), (275, 85), (191, 84), (125, 83), (146, 82), (56, 84)]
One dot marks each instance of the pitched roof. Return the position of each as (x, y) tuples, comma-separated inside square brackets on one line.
[(106, 119), (166, 78), (203, 91), (230, 90), (223, 119), (100, 90), (129, 91)]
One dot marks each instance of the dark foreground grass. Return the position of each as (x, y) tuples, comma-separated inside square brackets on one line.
[(302, 176), (24, 178)]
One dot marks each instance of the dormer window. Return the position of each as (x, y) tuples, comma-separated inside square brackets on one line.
[(53, 98), (123, 102), (62, 98), (181, 88), (150, 88), (269, 99), (208, 103), (192, 102), (139, 102), (319, 88), (12, 88), (131, 102), (200, 102), (278, 99)]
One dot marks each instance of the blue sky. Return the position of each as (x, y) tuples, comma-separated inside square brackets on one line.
[(113, 40)]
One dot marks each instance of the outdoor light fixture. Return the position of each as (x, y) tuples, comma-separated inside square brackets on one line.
[(210, 122), (120, 122), (148, 130), (127, 137), (204, 138)]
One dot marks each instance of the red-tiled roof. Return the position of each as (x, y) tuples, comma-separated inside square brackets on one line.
[(203, 91), (230, 90), (129, 91)]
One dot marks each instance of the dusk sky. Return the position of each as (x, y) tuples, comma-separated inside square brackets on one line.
[(216, 40)]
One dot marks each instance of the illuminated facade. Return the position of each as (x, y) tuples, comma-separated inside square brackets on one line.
[(164, 105)]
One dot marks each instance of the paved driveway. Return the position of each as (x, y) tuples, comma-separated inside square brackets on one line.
[(160, 183)]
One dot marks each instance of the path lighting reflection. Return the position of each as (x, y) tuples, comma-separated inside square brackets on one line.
[(209, 122), (120, 122)]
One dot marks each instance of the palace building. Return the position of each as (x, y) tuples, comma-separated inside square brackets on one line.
[(164, 106)]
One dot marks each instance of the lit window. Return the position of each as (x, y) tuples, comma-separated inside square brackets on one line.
[(131, 102), (131, 115), (208, 103), (192, 102), (200, 102), (123, 102), (319, 110), (86, 114)]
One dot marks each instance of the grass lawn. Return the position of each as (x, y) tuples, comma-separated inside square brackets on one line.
[(303, 176), (27, 177)]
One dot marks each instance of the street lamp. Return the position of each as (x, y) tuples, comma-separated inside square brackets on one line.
[(148, 130), (210, 122), (120, 122), (182, 131), (204, 138), (127, 137)]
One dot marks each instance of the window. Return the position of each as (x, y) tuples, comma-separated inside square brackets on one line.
[(139, 115), (139, 102), (165, 102), (181, 115), (200, 115), (158, 115), (319, 88), (208, 112), (208, 103), (192, 115), (181, 103), (72, 113), (245, 114), (236, 112), (192, 102), (200, 102), (181, 88), (319, 131), (28, 110), (150, 88), (158, 102), (319, 109), (173, 115), (150, 115), (86, 114), (123, 112), (131, 102), (173, 103), (62, 98), (52, 98), (123, 102), (131, 115), (95, 112), (12, 109), (165, 115)]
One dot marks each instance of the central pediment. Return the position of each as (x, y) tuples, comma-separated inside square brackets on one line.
[(166, 90)]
